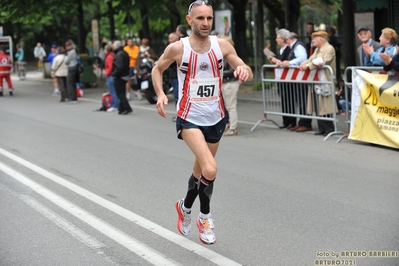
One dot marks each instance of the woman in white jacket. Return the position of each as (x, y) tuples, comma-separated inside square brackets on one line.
[(60, 70)]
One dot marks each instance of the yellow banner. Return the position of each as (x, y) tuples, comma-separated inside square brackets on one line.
[(375, 108)]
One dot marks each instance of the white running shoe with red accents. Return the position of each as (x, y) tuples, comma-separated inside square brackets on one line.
[(184, 219), (206, 233)]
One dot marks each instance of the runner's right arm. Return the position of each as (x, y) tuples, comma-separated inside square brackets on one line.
[(167, 58)]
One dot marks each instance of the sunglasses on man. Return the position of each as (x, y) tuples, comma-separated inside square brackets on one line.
[(198, 3)]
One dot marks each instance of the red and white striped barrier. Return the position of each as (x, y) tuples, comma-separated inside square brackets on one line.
[(299, 75)]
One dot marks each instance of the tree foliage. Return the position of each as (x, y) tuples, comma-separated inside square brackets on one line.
[(54, 21)]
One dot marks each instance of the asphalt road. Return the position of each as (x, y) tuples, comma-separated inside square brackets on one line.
[(79, 187)]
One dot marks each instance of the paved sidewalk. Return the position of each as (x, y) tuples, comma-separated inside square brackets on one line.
[(32, 75)]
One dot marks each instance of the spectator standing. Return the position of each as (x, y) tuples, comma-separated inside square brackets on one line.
[(172, 71), (72, 78), (50, 58), (322, 105), (296, 56), (364, 35), (20, 56), (101, 52), (120, 73), (230, 88), (5, 71), (287, 99), (61, 72), (335, 42), (200, 117), (391, 63), (146, 52), (79, 84), (133, 51), (109, 60), (309, 43), (39, 54), (181, 30), (388, 40), (53, 53)]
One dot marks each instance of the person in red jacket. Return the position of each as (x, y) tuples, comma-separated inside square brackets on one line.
[(5, 70), (109, 59)]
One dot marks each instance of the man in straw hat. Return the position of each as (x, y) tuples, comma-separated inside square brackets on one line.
[(322, 105)]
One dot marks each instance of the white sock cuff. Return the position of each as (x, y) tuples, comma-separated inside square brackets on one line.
[(204, 216), (185, 209)]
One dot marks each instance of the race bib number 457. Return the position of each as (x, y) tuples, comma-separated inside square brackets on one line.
[(204, 90)]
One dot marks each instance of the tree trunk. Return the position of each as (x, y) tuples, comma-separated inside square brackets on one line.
[(145, 30), (260, 36), (348, 8), (277, 9), (81, 29), (174, 11), (111, 21), (240, 26), (294, 8), (272, 32)]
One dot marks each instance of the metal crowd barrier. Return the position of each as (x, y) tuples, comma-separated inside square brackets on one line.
[(287, 91), (348, 90)]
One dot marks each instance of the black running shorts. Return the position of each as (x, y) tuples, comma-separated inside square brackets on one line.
[(212, 134)]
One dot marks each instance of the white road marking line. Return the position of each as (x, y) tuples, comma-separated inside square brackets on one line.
[(141, 221), (79, 234), (123, 239), (76, 232)]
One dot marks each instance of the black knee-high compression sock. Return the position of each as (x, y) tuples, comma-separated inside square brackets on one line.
[(205, 193), (192, 192)]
